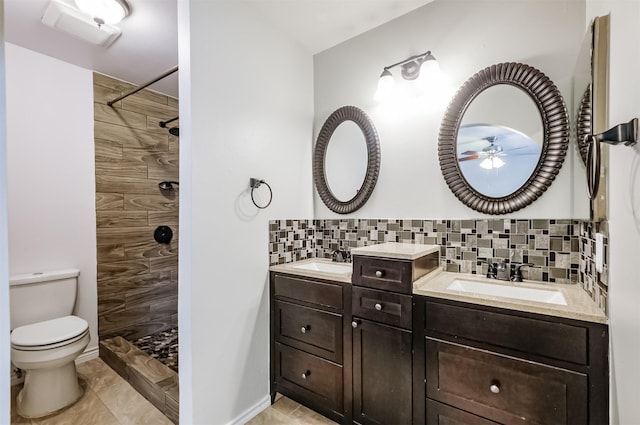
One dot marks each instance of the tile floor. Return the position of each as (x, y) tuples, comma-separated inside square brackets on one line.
[(108, 400), (150, 377), (287, 412)]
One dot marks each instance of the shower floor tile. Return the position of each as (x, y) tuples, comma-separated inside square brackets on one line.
[(150, 377), (162, 346)]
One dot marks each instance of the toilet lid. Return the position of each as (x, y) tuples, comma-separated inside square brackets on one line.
[(49, 332)]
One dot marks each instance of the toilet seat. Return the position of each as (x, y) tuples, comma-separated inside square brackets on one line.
[(49, 334)]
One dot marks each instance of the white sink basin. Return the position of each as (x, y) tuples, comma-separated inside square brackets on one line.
[(320, 266), (529, 294)]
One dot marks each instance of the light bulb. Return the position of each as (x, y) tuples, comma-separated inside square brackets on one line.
[(109, 11), (492, 162), (497, 162), (386, 84), (429, 71)]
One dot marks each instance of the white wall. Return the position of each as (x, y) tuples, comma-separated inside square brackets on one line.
[(464, 36), (246, 91), (5, 354), (624, 210), (51, 177)]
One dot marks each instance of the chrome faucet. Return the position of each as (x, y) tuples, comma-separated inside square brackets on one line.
[(341, 255), (503, 271)]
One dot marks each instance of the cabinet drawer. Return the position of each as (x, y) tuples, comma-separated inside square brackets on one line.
[(554, 340), (313, 377), (320, 293), (381, 273), (315, 331), (441, 414), (392, 274), (385, 307), (504, 389)]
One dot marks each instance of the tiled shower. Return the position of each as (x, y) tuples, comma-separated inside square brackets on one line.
[(137, 273)]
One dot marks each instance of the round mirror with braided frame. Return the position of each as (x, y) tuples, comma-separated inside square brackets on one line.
[(362, 120), (555, 123)]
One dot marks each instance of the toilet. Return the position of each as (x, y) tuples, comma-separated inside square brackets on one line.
[(46, 339)]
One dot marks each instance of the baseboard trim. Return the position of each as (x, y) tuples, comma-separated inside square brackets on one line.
[(88, 354), (252, 411)]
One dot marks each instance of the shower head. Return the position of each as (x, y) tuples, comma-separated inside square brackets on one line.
[(175, 131)]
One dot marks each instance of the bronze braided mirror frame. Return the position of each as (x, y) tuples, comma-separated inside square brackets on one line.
[(583, 124), (362, 120), (555, 123)]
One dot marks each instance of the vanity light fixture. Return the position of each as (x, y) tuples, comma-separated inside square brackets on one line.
[(411, 68), (105, 11)]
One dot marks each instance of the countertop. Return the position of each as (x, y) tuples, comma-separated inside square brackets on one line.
[(290, 268), (579, 305), (402, 251)]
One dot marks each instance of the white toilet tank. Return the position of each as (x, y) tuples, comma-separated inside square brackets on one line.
[(37, 297)]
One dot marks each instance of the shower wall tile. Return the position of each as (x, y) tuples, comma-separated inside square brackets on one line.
[(560, 250), (137, 277)]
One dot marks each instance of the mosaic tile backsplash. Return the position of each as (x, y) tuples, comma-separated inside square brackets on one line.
[(561, 251)]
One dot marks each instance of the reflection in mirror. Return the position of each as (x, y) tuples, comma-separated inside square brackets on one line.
[(345, 161), (496, 160), (600, 114), (519, 113)]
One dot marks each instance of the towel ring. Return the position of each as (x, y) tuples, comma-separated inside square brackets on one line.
[(256, 183)]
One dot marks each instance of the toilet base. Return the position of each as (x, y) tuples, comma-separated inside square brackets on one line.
[(46, 391)]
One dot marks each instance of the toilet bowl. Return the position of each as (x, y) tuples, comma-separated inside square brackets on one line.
[(46, 352)]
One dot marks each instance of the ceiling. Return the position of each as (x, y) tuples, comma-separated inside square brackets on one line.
[(148, 45)]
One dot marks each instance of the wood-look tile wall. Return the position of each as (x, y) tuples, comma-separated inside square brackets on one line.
[(137, 277)]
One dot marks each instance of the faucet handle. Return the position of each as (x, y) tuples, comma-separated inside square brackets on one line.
[(341, 255), (492, 269), (516, 275)]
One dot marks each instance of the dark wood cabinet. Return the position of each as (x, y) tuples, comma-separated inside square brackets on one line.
[(441, 414), (308, 329), (371, 352), (382, 373), (488, 365), (382, 341), (314, 379)]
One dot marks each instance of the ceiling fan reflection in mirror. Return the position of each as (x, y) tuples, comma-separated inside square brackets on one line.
[(492, 144)]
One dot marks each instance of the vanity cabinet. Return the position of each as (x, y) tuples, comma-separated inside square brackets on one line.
[(485, 365), (382, 341), (308, 322)]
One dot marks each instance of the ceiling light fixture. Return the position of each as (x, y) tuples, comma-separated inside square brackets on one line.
[(491, 163), (105, 11), (64, 17), (411, 68)]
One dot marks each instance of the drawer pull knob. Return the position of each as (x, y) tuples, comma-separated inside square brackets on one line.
[(495, 388), (306, 374), (305, 329), (379, 273), (378, 306), (354, 324)]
